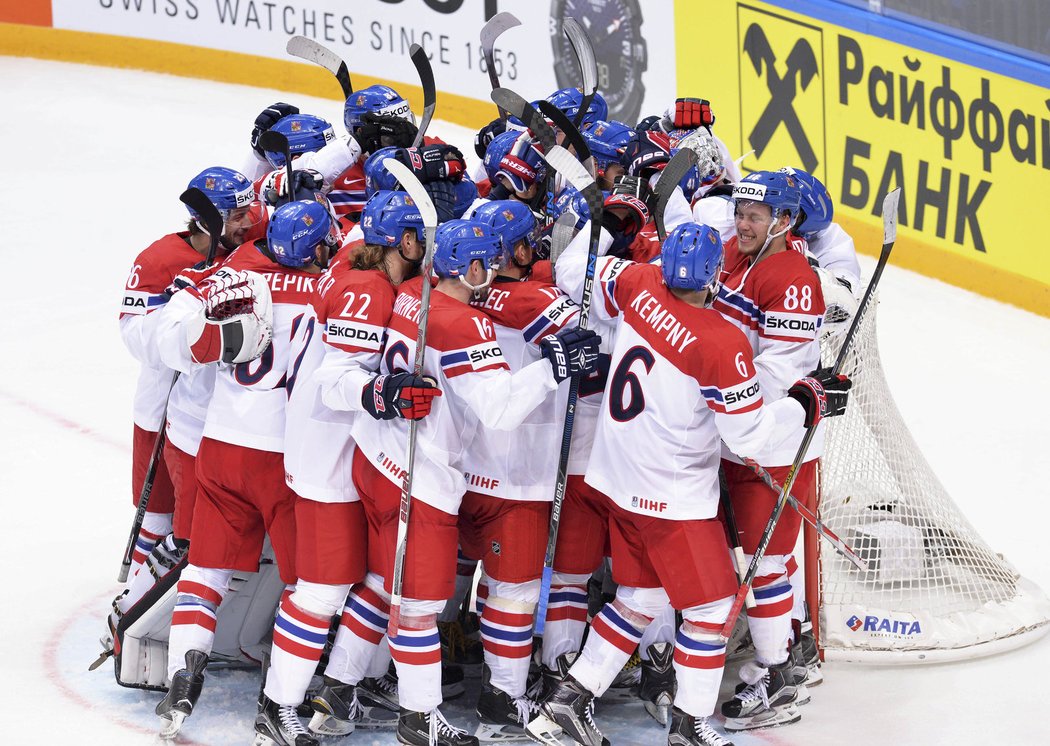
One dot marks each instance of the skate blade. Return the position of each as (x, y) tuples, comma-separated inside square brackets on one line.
[(660, 710), (172, 727), (324, 724), (102, 658), (262, 739), (802, 696), (783, 715), (375, 717), (542, 729), (814, 677), (488, 733)]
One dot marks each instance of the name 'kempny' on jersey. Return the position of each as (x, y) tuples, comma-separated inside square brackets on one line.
[(662, 320)]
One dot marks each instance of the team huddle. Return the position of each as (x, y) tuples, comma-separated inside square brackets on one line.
[(310, 346)]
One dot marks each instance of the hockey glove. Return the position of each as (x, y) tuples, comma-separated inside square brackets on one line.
[(690, 113), (821, 394), (402, 395), (434, 162), (646, 155), (624, 214), (305, 184), (487, 134), (382, 130), (267, 118), (235, 324), (571, 352), (523, 165), (443, 195)]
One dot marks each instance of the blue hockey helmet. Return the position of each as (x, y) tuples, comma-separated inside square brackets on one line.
[(466, 193), (691, 258), (572, 200), (512, 220), (777, 189), (519, 166), (816, 206), (460, 242), (295, 231), (376, 99), (387, 215), (306, 134), (608, 140), (377, 177), (227, 189), (569, 100)]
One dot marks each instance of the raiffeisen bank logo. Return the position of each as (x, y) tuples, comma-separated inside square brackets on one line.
[(781, 87)]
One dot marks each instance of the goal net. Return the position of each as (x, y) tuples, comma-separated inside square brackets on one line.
[(934, 590)]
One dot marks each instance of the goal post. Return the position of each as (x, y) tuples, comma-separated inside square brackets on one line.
[(934, 590)]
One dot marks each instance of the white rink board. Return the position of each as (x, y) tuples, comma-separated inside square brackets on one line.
[(95, 163)]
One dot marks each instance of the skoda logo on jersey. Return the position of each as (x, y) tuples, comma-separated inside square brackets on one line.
[(780, 88)]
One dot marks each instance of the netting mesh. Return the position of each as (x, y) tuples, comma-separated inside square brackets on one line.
[(932, 582)]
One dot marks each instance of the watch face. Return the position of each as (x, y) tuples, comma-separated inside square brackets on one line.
[(614, 28)]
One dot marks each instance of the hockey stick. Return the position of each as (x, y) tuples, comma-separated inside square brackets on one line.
[(426, 209), (572, 134), (561, 235), (312, 51), (540, 129), (426, 79), (739, 561), (276, 142), (197, 201), (566, 164), (889, 225), (581, 45), (670, 178), (489, 33), (810, 517)]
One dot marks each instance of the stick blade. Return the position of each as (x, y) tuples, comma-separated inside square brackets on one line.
[(562, 233), (426, 79), (581, 44), (889, 216), (307, 49), (565, 163), (518, 107), (273, 141), (572, 133), (495, 27), (671, 177), (415, 190), (197, 201)]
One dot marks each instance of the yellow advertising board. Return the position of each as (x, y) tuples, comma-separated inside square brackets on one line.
[(970, 148)]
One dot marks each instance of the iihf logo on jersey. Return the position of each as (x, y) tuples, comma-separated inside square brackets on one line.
[(780, 89)]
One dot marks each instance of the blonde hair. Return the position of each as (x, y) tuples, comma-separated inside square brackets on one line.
[(369, 256)]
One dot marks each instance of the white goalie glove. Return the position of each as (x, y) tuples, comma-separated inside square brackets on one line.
[(840, 305), (235, 322)]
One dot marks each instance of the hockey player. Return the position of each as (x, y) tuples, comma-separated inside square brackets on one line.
[(515, 169), (682, 379), (607, 142), (467, 363), (152, 273), (256, 164), (505, 514), (772, 294), (240, 466)]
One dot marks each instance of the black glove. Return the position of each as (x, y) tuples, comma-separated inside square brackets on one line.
[(487, 134), (402, 395), (649, 123), (382, 130), (267, 118), (443, 195), (690, 113), (571, 352), (649, 153), (822, 394), (434, 162), (305, 185)]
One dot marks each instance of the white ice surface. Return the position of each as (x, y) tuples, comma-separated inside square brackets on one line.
[(93, 162)]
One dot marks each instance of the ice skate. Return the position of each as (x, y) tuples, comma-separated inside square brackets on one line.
[(550, 677), (385, 687), (570, 707), (657, 685), (807, 646), (768, 703), (687, 730), (279, 725), (185, 690), (460, 649), (335, 709), (108, 641), (503, 717), (430, 729)]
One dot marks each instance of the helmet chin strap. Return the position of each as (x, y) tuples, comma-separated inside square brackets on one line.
[(476, 289)]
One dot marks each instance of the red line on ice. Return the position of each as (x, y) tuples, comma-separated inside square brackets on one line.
[(62, 421), (54, 673)]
